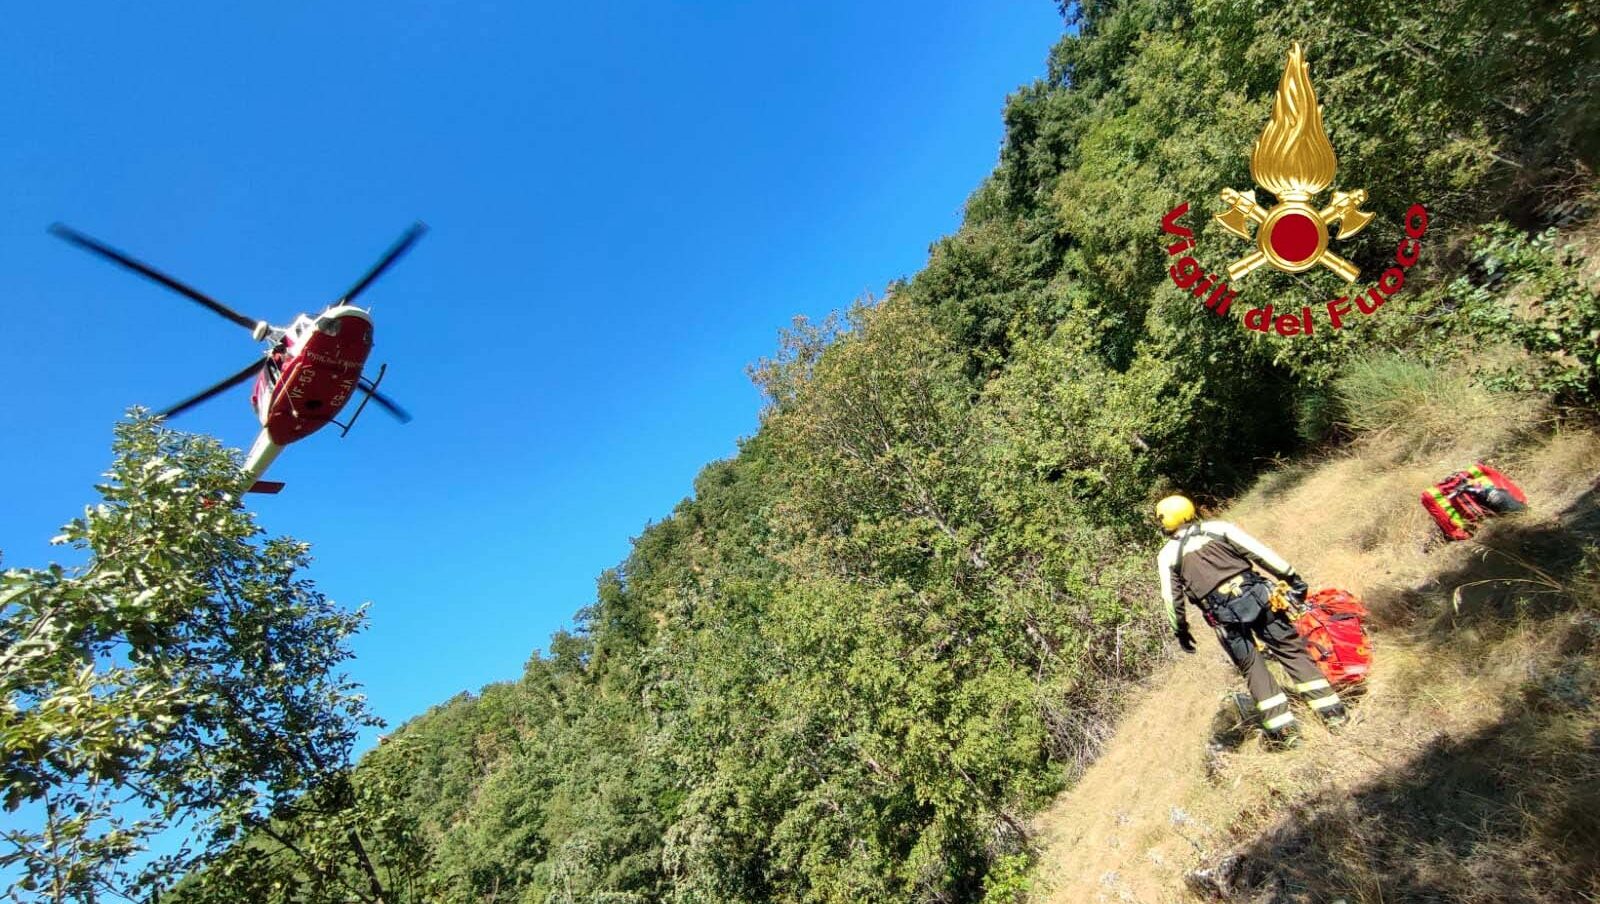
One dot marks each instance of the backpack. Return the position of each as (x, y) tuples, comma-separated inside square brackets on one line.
[(1458, 502), (1333, 625)]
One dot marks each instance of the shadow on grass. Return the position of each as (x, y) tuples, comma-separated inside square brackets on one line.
[(1510, 813), (1283, 478)]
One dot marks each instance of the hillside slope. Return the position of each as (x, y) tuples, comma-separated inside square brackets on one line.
[(1469, 772)]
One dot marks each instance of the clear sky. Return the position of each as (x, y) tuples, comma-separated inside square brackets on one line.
[(627, 202)]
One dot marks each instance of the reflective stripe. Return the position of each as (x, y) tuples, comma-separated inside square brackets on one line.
[(1448, 508), (1324, 702), (1277, 722), (1316, 685), (1270, 702)]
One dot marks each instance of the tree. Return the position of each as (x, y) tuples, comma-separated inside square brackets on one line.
[(184, 678)]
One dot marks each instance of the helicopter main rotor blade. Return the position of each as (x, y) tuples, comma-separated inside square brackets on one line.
[(223, 386), (97, 247), (389, 405), (394, 253)]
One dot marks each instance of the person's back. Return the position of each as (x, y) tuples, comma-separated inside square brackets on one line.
[(1212, 564), (1203, 555)]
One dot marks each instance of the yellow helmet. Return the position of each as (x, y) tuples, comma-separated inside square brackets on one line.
[(1174, 512)]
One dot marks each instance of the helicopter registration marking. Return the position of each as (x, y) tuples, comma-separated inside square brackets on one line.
[(334, 362)]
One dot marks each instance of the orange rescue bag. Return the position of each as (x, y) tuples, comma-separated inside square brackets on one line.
[(1334, 627)]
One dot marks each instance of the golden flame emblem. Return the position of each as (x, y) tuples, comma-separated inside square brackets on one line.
[(1294, 160)]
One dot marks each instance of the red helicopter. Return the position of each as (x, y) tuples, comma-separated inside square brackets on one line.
[(310, 369)]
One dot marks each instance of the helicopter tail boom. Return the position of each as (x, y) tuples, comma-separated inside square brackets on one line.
[(261, 456)]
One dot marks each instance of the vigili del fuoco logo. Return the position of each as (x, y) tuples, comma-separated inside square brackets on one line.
[(1294, 160)]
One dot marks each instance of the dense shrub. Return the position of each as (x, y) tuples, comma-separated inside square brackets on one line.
[(1557, 322)]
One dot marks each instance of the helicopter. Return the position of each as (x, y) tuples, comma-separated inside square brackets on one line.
[(309, 370)]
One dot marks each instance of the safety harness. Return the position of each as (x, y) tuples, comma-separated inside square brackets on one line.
[(1226, 594)]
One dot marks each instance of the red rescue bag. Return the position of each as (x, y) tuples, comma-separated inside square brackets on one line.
[(1458, 502), (1335, 632)]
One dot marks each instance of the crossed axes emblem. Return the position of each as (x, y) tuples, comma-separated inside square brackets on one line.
[(1244, 210)]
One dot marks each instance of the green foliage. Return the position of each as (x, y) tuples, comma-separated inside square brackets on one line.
[(1315, 415), (186, 674), (1395, 392), (344, 839), (1559, 327), (1009, 880)]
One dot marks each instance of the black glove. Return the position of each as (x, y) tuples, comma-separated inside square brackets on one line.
[(1297, 585), (1185, 639)]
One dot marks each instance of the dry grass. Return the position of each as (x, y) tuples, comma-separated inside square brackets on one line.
[(1471, 771)]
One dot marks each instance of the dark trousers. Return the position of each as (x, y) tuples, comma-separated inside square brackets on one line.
[(1289, 648)]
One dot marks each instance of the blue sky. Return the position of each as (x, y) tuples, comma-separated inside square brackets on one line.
[(627, 202)]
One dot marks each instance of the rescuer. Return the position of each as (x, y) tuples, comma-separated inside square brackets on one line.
[(1210, 564)]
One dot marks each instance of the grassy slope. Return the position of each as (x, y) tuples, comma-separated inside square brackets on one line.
[(1471, 771)]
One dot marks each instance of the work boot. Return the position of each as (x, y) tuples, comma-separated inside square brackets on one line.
[(1286, 738), (1335, 718)]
